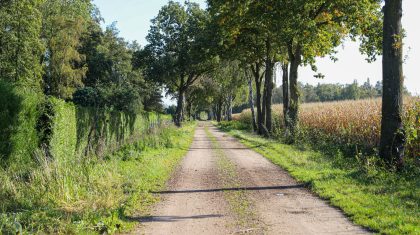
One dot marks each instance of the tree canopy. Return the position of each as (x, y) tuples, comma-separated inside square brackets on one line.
[(179, 52)]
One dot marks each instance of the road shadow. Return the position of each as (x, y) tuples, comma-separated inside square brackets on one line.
[(230, 189), (150, 219)]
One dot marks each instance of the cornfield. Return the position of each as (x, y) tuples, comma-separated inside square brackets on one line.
[(348, 122)]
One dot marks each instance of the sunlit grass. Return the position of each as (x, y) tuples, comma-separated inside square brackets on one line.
[(383, 201), (92, 195)]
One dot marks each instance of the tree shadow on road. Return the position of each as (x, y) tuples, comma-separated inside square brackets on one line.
[(149, 219), (231, 189)]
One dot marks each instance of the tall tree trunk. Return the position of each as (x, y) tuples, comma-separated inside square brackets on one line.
[(286, 97), (269, 95), (187, 109), (190, 115), (259, 111), (229, 108), (179, 108), (392, 132), (215, 112), (219, 111), (269, 83), (251, 104), (295, 61), (257, 79), (263, 105)]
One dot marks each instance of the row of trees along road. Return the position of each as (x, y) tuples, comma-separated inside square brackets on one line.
[(58, 48), (188, 47)]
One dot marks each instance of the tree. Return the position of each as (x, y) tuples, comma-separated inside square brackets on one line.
[(21, 46), (242, 39), (310, 29), (178, 52), (352, 91), (114, 78), (392, 132), (64, 23), (229, 78)]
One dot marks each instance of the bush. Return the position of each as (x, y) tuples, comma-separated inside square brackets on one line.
[(233, 125)]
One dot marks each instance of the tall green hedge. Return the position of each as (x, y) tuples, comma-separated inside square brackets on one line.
[(81, 131), (19, 113), (32, 126)]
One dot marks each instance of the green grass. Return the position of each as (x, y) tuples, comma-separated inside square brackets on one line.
[(92, 195), (386, 202)]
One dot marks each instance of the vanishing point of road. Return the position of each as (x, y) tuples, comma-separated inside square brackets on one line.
[(223, 187)]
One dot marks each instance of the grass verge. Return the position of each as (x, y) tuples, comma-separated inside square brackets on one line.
[(383, 201), (95, 195)]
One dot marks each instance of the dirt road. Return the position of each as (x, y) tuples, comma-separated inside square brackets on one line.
[(221, 187)]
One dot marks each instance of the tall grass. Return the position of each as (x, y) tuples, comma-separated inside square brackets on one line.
[(91, 194)]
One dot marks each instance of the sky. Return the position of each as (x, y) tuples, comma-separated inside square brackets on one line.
[(133, 20)]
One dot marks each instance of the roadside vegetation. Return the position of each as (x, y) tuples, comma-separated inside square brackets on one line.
[(92, 195), (383, 201)]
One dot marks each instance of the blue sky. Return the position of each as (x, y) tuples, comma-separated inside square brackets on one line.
[(133, 20)]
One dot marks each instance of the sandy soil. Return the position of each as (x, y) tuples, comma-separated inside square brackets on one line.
[(195, 202)]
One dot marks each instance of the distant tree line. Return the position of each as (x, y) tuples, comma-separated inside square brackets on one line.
[(334, 92)]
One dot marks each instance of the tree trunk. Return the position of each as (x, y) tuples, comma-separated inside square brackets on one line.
[(229, 108), (260, 120), (188, 109), (251, 104), (392, 132), (263, 105), (295, 61), (214, 112), (179, 108), (269, 66), (286, 97), (268, 96), (219, 111), (258, 94)]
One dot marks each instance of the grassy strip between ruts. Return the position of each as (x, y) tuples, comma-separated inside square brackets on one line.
[(385, 202), (98, 196), (238, 202)]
